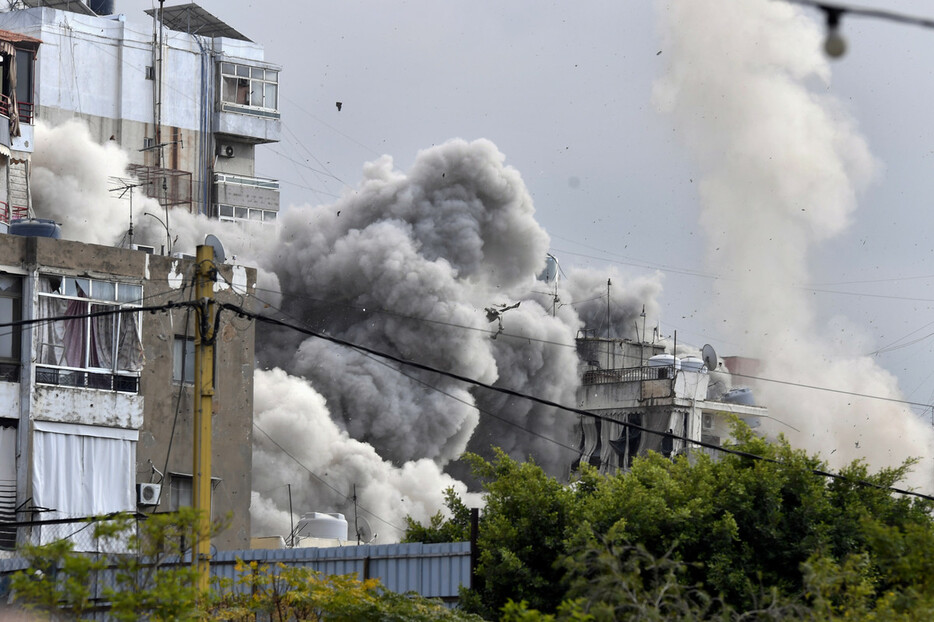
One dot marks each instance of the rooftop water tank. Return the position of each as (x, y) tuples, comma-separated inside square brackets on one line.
[(742, 396), (664, 360), (102, 7), (36, 228), (693, 363), (322, 525)]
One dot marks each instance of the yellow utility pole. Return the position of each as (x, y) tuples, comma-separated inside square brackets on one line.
[(206, 274)]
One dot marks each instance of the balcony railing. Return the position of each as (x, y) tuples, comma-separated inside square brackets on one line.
[(8, 214), (629, 374), (255, 182), (82, 379), (25, 109)]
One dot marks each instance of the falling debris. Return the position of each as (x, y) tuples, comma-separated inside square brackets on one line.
[(339, 105)]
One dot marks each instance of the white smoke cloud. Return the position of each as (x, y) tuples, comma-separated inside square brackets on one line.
[(326, 464), (782, 167), (70, 184)]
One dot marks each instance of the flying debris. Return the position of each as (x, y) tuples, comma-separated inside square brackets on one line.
[(495, 314), (339, 104)]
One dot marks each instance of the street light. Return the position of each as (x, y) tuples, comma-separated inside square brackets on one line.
[(168, 236)]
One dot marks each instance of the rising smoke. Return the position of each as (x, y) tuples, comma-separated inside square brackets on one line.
[(781, 170), (409, 263), (429, 264)]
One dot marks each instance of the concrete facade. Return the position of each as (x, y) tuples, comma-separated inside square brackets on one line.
[(627, 382), (141, 398), (169, 107)]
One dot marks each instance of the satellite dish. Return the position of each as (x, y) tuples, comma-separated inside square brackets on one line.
[(219, 255), (365, 533), (710, 357)]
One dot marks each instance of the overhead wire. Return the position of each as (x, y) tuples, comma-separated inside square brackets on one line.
[(239, 310), (578, 411)]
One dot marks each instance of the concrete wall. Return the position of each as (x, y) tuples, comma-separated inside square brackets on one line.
[(232, 419)]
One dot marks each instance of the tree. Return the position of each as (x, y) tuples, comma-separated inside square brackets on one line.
[(738, 534), (454, 528), (149, 581), (279, 593)]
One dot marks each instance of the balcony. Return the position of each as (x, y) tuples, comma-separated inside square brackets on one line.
[(9, 213), (238, 197)]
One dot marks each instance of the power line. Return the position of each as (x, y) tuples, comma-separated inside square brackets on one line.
[(891, 16), (552, 404), (320, 479), (571, 345), (240, 311)]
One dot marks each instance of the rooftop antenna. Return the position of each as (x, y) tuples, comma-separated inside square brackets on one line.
[(361, 528), (291, 520), (642, 344), (126, 186)]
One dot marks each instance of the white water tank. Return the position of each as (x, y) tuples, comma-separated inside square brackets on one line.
[(322, 525), (693, 363), (664, 360)]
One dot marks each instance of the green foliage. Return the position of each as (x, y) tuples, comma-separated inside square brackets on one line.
[(455, 528), (152, 584), (57, 579), (695, 538), (279, 593)]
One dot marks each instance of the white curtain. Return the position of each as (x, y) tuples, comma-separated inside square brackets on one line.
[(79, 471)]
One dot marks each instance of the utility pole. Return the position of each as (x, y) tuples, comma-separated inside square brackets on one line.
[(206, 274)]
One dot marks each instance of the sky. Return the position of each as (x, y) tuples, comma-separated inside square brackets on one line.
[(566, 93), (604, 109)]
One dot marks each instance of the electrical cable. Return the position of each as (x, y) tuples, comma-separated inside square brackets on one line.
[(240, 311), (544, 402), (319, 478), (842, 9)]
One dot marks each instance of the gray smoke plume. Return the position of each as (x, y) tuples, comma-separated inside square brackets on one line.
[(437, 265), (782, 167)]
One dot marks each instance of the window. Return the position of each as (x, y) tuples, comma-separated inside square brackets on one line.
[(103, 352), (183, 360), (234, 213), (254, 87), (24, 66), (181, 488), (11, 305)]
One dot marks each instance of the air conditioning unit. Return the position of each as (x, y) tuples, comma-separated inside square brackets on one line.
[(148, 494), (225, 151), (149, 250)]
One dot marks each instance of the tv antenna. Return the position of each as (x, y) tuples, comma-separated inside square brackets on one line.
[(362, 530), (126, 186)]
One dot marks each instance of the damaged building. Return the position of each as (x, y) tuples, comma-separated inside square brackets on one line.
[(670, 403)]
